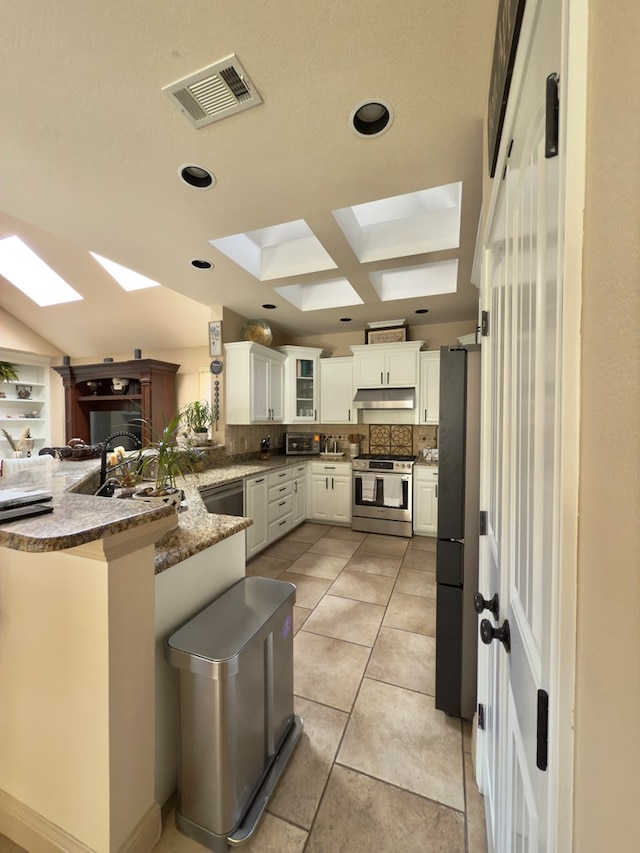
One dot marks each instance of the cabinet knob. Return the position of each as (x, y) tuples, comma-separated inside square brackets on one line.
[(488, 634)]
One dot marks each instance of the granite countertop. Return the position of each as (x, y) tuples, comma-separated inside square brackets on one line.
[(79, 517)]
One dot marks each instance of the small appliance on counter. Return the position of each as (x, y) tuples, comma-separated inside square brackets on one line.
[(302, 444), (265, 448)]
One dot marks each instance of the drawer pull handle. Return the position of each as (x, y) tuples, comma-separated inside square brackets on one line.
[(282, 489), (282, 503), (280, 523)]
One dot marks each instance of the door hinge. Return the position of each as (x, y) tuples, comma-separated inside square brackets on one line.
[(483, 522), (551, 133), (542, 737), (484, 324), (481, 716)]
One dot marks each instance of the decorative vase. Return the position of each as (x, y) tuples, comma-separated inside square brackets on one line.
[(172, 498)]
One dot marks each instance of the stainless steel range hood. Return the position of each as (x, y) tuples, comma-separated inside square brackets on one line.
[(385, 398)]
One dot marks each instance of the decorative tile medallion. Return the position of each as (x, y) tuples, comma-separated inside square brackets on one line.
[(401, 440), (380, 439)]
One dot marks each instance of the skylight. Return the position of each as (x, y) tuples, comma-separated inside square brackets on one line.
[(290, 248), (126, 278), (28, 272), (319, 295), (410, 224), (412, 282)]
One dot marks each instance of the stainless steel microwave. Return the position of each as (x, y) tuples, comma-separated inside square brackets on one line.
[(301, 443)]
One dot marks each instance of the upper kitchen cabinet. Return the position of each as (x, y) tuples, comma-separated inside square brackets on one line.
[(254, 384), (24, 403), (336, 391), (382, 365), (114, 395), (429, 390), (301, 384)]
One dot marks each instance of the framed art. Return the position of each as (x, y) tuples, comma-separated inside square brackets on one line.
[(388, 335), (505, 44), (215, 338)]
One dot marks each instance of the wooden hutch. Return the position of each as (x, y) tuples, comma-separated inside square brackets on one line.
[(143, 388)]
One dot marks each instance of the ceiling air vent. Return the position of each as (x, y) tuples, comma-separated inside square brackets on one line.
[(214, 93)]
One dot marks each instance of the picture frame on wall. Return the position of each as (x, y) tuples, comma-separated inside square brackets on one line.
[(510, 13), (215, 337), (386, 335)]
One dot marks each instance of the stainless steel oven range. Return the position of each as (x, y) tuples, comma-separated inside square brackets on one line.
[(382, 494)]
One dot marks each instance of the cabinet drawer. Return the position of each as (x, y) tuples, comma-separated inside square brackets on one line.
[(280, 507), (280, 491), (279, 528), (426, 475), (298, 471), (278, 477), (331, 469)]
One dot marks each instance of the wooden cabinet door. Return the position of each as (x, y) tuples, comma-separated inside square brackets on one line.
[(429, 388), (401, 368), (256, 507), (336, 391)]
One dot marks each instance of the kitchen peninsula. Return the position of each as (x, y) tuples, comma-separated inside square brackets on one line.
[(87, 596)]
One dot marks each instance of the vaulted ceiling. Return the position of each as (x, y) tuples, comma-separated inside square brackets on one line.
[(91, 149)]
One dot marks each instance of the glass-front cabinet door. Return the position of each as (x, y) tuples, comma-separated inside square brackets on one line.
[(302, 384)]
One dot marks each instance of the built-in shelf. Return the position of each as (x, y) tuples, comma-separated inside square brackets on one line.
[(34, 371)]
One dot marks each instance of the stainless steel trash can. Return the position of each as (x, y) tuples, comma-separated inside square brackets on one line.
[(237, 726)]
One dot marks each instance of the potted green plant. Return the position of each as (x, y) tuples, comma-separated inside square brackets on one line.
[(166, 458), (8, 372), (198, 417)]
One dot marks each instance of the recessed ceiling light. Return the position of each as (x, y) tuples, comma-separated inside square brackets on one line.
[(201, 265), (371, 118), (268, 306), (345, 319), (421, 311), (196, 177), (22, 267), (126, 278)]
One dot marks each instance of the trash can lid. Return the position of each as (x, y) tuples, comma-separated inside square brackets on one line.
[(228, 624)]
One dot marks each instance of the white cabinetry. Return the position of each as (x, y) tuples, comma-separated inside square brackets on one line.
[(254, 384), (336, 391), (425, 500), (330, 493), (429, 390), (19, 412), (280, 506), (299, 475), (301, 384), (381, 365), (255, 507)]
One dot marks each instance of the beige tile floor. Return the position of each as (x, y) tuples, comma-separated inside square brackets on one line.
[(377, 767)]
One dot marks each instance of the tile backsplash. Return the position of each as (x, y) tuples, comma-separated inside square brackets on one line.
[(373, 438)]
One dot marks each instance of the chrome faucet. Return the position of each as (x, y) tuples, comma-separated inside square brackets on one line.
[(105, 448)]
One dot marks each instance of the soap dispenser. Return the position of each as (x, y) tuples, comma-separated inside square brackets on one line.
[(265, 451)]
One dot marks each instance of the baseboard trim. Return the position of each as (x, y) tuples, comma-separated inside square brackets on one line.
[(29, 829)]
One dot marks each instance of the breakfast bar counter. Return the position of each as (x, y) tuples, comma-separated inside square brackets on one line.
[(79, 517), (89, 594)]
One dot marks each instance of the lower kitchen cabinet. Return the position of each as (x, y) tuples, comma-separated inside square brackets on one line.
[(280, 503), (425, 500), (255, 507), (299, 474), (330, 493)]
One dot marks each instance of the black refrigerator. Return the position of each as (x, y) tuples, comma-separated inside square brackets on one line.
[(458, 530)]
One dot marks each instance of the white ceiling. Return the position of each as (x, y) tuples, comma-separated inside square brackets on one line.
[(90, 151)]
